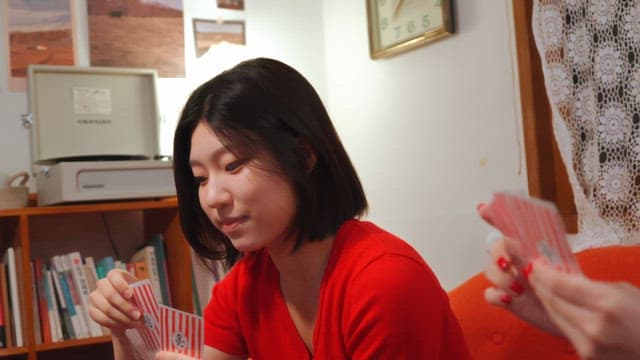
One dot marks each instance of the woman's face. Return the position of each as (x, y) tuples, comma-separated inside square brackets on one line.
[(253, 206)]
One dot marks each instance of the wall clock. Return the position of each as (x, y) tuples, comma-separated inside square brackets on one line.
[(396, 26)]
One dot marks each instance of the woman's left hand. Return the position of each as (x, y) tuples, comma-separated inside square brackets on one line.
[(601, 319), (165, 355)]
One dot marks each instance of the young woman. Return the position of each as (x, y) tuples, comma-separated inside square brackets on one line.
[(265, 184)]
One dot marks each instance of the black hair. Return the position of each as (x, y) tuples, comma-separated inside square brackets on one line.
[(266, 105)]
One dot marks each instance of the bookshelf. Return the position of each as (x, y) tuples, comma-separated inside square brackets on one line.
[(95, 229)]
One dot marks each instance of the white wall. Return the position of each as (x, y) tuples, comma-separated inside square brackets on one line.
[(432, 132)]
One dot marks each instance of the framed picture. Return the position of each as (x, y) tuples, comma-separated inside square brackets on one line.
[(231, 4), (137, 34), (208, 33), (38, 32), (399, 26)]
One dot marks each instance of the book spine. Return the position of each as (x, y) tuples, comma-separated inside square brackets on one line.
[(77, 271), (3, 314), (15, 297), (152, 263), (6, 309), (52, 306), (35, 308), (157, 241), (65, 319), (72, 298), (43, 306)]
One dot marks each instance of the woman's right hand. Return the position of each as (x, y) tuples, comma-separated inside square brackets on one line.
[(111, 303)]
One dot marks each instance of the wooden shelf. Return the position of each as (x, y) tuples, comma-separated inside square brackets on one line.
[(72, 343), (164, 203), (13, 351), (91, 228)]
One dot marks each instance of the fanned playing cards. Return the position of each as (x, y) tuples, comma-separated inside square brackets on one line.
[(536, 224), (164, 328)]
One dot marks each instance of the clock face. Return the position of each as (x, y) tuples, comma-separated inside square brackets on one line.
[(397, 22)]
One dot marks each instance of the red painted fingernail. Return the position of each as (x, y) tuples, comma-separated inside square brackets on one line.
[(527, 270), (517, 288), (503, 263), (505, 299)]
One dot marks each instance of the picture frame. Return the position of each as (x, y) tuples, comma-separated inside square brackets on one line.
[(231, 4), (208, 33), (399, 26)]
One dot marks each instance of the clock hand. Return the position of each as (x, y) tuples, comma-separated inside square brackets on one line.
[(397, 9)]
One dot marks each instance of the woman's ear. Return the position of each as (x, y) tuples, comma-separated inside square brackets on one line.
[(309, 155)]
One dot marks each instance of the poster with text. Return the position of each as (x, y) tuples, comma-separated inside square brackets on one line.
[(38, 32), (137, 34)]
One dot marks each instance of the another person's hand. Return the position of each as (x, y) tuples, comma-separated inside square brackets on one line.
[(111, 304), (511, 290), (600, 319)]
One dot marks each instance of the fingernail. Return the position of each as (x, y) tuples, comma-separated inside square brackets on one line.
[(505, 299), (516, 287), (135, 314), (527, 270), (479, 206), (503, 263), (128, 294)]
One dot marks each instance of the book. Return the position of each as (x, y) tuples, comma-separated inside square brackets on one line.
[(80, 281), (157, 241), (37, 328), (52, 306), (104, 265), (5, 326), (71, 295), (43, 307), (148, 255), (14, 295), (66, 325)]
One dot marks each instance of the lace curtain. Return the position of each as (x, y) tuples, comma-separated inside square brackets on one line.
[(590, 58)]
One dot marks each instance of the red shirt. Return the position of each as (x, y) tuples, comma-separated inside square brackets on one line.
[(378, 300)]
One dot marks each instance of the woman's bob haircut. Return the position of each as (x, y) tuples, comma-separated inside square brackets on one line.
[(263, 106)]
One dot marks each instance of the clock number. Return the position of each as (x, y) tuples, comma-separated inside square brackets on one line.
[(384, 23), (426, 22), (411, 27), (397, 29)]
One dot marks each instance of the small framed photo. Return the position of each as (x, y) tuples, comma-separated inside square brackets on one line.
[(208, 33), (231, 4)]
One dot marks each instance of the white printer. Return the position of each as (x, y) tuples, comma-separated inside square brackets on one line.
[(95, 134)]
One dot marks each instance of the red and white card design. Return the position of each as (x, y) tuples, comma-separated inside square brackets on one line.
[(163, 328), (181, 332), (538, 226)]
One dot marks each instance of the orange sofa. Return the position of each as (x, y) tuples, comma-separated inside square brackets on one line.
[(494, 333)]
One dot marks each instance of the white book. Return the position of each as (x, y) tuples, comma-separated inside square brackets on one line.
[(77, 271), (74, 308), (54, 316), (10, 259)]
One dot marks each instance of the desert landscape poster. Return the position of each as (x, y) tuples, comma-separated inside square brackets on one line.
[(38, 32), (138, 34), (208, 33)]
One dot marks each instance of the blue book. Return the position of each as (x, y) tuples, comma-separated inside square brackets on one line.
[(104, 265)]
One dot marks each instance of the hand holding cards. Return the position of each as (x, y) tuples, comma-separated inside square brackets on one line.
[(536, 224), (163, 328)]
